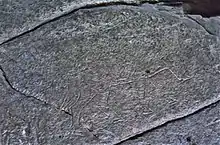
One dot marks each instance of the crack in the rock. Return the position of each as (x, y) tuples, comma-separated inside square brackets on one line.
[(197, 22), (96, 5), (87, 6), (140, 134), (28, 96)]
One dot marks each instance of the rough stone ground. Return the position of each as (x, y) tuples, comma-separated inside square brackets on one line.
[(107, 72)]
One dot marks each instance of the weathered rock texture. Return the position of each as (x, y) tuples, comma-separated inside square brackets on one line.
[(109, 74)]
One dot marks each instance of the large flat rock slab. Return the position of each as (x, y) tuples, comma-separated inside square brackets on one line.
[(116, 71)]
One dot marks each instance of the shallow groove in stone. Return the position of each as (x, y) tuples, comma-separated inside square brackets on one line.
[(88, 6), (27, 96), (138, 135)]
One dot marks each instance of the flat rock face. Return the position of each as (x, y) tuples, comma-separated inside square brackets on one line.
[(103, 75)]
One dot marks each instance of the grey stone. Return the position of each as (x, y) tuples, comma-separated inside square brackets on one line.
[(113, 72)]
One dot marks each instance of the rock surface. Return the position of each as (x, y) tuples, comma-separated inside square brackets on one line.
[(108, 75)]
